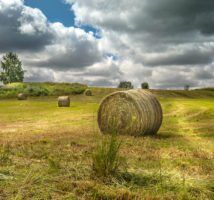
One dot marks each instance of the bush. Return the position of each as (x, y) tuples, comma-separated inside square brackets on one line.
[(106, 158), (126, 84), (145, 85), (6, 92), (36, 91), (41, 89), (186, 87), (64, 88), (16, 86)]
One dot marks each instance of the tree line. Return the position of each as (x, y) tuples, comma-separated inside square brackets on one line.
[(128, 85)]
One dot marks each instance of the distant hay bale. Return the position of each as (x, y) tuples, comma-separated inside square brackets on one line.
[(64, 101), (21, 96), (131, 112), (88, 92)]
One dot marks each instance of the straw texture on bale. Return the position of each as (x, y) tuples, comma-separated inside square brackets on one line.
[(21, 96), (88, 92), (64, 101), (131, 112)]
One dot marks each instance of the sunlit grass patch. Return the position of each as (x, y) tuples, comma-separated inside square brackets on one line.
[(46, 152)]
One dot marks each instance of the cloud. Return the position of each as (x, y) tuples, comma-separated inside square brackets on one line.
[(73, 48), (207, 73), (39, 75), (160, 35), (175, 77), (104, 73), (22, 28), (157, 17), (184, 57), (43, 44), (168, 43)]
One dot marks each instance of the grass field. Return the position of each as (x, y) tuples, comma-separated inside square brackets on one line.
[(46, 151)]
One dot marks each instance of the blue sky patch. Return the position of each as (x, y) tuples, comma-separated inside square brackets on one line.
[(54, 10), (59, 11)]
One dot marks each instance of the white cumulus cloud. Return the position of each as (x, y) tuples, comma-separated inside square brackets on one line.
[(168, 43)]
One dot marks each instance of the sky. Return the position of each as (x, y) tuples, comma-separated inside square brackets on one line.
[(54, 10), (168, 43)]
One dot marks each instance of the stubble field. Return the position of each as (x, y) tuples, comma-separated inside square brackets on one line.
[(45, 151)]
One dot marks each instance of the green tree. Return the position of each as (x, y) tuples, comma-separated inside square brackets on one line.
[(145, 85), (11, 69), (125, 84), (186, 87)]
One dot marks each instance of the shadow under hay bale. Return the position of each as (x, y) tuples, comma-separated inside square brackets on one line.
[(64, 101), (131, 112), (22, 96), (88, 92)]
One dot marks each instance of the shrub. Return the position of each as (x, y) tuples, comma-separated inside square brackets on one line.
[(66, 88), (8, 92), (36, 91), (106, 158), (125, 84), (145, 85), (16, 86), (11, 90), (186, 87), (41, 89)]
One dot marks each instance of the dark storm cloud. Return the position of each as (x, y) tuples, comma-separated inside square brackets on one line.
[(194, 57), (161, 17), (44, 44), (168, 43), (204, 74), (174, 79), (13, 38), (166, 17), (69, 53), (154, 26), (39, 75), (79, 55)]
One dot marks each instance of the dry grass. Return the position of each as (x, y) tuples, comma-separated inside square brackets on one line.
[(42, 157)]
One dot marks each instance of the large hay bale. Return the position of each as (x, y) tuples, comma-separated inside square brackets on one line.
[(88, 92), (131, 112), (21, 96), (64, 101)]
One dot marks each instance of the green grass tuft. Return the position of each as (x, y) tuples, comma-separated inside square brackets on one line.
[(106, 158), (5, 155)]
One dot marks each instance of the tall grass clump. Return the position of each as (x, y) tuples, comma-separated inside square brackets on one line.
[(5, 153), (106, 158)]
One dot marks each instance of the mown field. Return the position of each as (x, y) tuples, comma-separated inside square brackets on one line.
[(46, 151)]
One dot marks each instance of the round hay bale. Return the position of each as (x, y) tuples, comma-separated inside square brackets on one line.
[(131, 112), (64, 101), (21, 96), (88, 92)]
